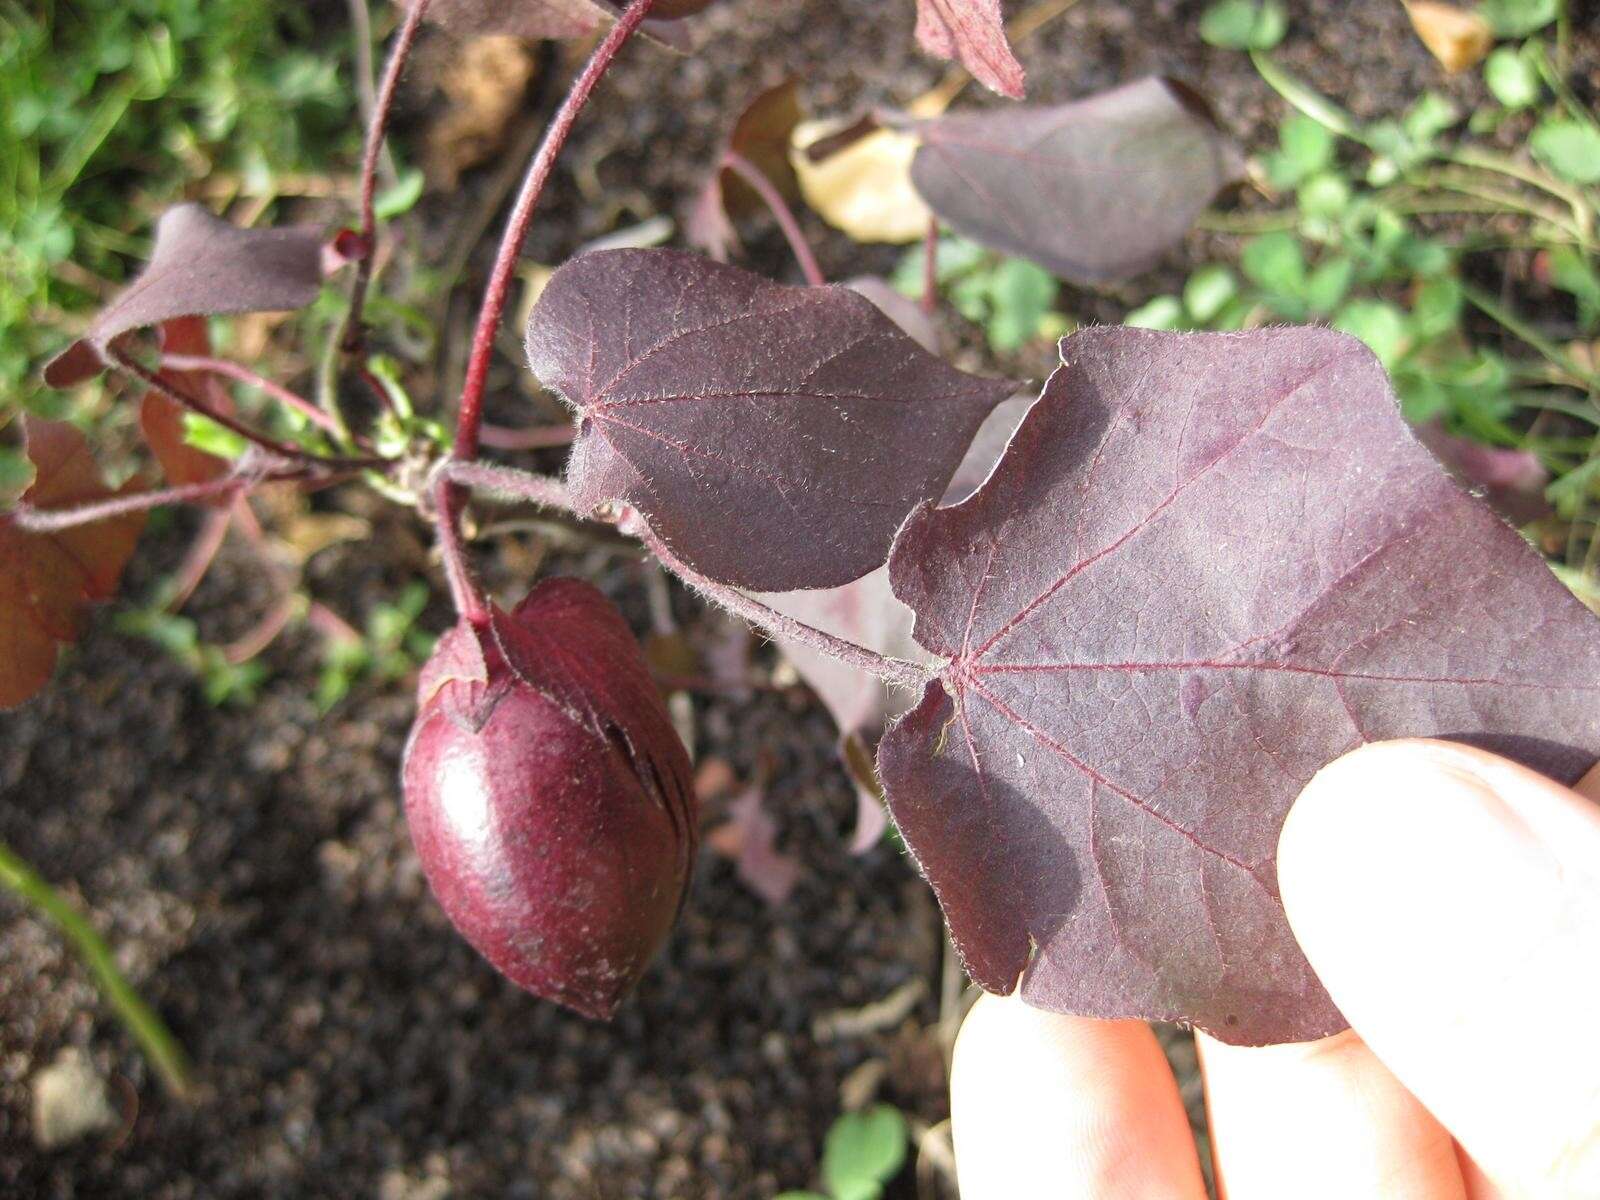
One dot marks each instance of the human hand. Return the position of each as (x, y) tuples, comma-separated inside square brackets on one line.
[(1450, 902)]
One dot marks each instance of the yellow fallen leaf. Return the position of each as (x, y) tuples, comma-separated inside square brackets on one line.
[(1457, 38), (864, 189)]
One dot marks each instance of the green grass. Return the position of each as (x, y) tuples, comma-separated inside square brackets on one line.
[(112, 109)]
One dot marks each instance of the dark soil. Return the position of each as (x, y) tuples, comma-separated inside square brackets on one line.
[(252, 869)]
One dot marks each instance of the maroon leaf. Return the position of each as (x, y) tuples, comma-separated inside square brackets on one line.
[(1095, 190), (761, 136), (46, 579), (1206, 565), (974, 33), (773, 436), (201, 266)]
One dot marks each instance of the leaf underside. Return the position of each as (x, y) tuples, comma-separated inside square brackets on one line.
[(201, 266), (1207, 565), (47, 579), (1095, 190), (773, 436), (973, 32)]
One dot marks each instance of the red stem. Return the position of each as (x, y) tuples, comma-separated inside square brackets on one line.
[(891, 670), (773, 199), (370, 156), (470, 414), (930, 268), (376, 386), (243, 374), (509, 483), (265, 631)]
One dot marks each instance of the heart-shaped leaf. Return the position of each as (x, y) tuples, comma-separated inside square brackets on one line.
[(775, 437), (47, 578), (1095, 190), (973, 32), (1207, 565), (760, 136), (201, 266)]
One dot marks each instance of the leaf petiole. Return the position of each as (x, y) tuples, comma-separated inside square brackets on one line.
[(779, 207)]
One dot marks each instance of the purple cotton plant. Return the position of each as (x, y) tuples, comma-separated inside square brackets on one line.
[(1199, 568)]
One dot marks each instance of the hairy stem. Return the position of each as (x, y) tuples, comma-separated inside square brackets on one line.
[(243, 374), (470, 413), (157, 1042), (773, 199), (890, 670), (508, 483), (54, 520)]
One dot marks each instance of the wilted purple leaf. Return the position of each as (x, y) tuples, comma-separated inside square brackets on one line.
[(774, 437), (1207, 565), (1095, 190), (750, 838), (973, 32), (201, 266)]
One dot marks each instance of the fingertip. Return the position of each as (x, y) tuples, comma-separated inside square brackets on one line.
[(1083, 1107)]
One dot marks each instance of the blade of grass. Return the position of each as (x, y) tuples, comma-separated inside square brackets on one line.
[(160, 1047)]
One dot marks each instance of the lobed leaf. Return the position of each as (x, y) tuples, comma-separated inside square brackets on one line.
[(973, 32), (1207, 565), (47, 578), (1095, 190), (775, 437), (201, 266)]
